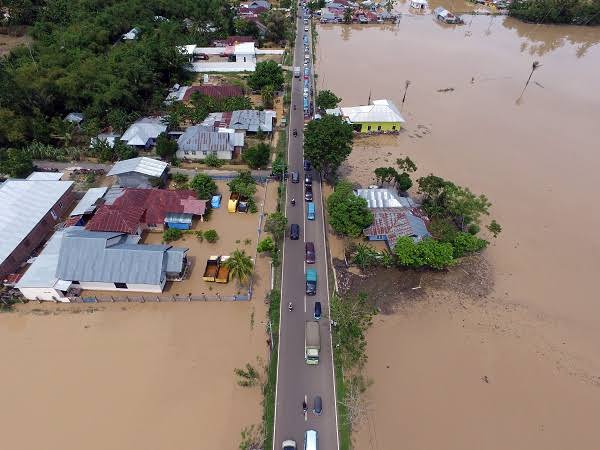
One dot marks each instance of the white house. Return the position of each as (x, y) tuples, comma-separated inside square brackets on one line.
[(240, 58), (143, 133)]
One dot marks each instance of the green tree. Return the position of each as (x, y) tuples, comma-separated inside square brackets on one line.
[(389, 5), (276, 224), (211, 236), (243, 184), (267, 94), (165, 147), (204, 186), (406, 165), (267, 73), (279, 166), (266, 245), (348, 213), (180, 180), (426, 253), (122, 151), (13, 128), (348, 15), (465, 243), (240, 265), (171, 234), (327, 100), (212, 160), (385, 174), (277, 26), (494, 228), (327, 143), (403, 182), (257, 156), (15, 163)]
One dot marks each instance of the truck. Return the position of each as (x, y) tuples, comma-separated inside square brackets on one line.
[(222, 271), (312, 342), (234, 198), (212, 268), (296, 72), (311, 282)]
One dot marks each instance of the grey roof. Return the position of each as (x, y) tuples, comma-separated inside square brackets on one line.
[(42, 272), (45, 176), (74, 117), (23, 204), (108, 258), (252, 120), (202, 138), (113, 194), (175, 257), (384, 198), (147, 166), (87, 203)]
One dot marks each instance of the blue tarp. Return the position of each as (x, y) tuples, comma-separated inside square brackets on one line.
[(216, 201), (178, 225)]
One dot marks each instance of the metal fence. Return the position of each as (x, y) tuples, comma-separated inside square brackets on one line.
[(160, 298)]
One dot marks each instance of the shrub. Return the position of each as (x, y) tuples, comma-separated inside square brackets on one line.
[(204, 186), (172, 234), (211, 236), (266, 245), (212, 160)]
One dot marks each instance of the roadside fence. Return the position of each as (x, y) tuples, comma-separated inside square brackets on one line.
[(160, 298)]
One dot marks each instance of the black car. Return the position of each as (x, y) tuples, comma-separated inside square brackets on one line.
[(308, 193), (309, 249), (307, 178), (307, 166), (318, 405), (295, 177), (294, 231), (317, 313)]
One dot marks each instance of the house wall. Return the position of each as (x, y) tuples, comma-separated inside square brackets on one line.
[(385, 126), (200, 155), (47, 294), (380, 237), (37, 235), (97, 286)]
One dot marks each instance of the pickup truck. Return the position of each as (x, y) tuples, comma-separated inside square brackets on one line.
[(312, 342), (223, 271), (212, 268)]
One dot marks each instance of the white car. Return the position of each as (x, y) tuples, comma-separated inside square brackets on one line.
[(306, 92), (288, 445), (306, 29)]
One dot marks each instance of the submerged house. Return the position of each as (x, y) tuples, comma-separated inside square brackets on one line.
[(139, 172), (112, 262), (379, 116), (198, 141)]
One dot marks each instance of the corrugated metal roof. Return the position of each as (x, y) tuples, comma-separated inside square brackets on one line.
[(87, 203), (175, 257), (42, 272), (45, 176), (396, 222), (147, 166), (178, 218), (23, 203), (108, 258), (199, 138), (252, 120), (144, 129), (384, 198), (379, 111)]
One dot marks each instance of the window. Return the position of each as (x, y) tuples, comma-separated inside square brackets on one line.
[(185, 152), (60, 205), (369, 128), (53, 214), (74, 282), (121, 285), (193, 152)]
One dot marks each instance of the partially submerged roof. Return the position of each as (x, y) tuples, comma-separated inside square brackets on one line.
[(109, 258), (378, 111), (45, 176), (87, 204), (147, 166), (384, 198), (23, 204), (396, 222)]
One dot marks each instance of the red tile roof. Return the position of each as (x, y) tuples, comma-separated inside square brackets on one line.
[(147, 206), (227, 90)]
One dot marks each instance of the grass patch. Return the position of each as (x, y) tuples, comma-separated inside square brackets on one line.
[(345, 433), (271, 382)]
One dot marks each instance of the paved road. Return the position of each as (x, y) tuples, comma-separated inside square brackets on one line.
[(295, 378)]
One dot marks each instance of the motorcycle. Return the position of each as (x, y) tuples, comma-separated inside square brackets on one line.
[(295, 132), (293, 202)]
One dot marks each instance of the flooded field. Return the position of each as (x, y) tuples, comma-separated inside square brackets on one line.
[(536, 156)]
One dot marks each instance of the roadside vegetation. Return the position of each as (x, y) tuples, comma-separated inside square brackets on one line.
[(575, 12), (347, 213), (327, 100)]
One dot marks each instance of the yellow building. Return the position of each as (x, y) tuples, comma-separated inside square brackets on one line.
[(379, 116)]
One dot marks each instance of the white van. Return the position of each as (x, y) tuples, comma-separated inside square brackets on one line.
[(311, 440)]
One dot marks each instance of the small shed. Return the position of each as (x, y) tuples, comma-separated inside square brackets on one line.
[(180, 221), (138, 172)]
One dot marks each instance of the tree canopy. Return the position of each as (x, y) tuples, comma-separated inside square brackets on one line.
[(204, 186), (425, 253), (257, 156), (327, 143), (577, 12), (276, 224), (267, 73), (243, 184), (165, 147), (348, 213), (327, 99)]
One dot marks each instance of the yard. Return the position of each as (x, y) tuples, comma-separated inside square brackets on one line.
[(7, 43)]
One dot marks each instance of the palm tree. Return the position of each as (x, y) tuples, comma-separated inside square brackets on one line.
[(240, 265)]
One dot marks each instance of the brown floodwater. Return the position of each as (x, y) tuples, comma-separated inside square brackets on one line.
[(536, 157)]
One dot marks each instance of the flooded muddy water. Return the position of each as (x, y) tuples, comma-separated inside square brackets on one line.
[(536, 157)]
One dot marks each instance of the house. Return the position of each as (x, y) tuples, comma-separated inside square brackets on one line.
[(379, 116), (419, 4), (176, 94), (132, 211), (109, 138), (198, 141), (74, 118), (132, 34), (331, 15), (89, 202), (142, 134), (249, 120), (45, 176), (391, 223), (241, 57), (29, 210), (255, 5), (139, 172), (112, 262), (233, 40), (384, 198)]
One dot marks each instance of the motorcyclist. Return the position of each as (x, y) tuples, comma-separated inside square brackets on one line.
[(293, 201), (295, 132), (304, 406), (294, 107), (290, 306)]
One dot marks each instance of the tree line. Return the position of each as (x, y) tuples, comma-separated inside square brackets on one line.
[(576, 12)]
